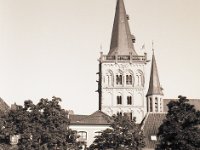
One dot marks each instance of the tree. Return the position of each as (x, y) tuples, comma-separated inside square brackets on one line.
[(180, 130), (43, 126), (122, 134)]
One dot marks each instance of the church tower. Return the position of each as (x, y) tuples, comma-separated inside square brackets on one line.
[(154, 94), (122, 72)]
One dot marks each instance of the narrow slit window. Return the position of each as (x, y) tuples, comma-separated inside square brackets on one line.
[(119, 100), (129, 100)]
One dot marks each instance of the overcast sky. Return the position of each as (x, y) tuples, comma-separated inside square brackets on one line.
[(50, 47)]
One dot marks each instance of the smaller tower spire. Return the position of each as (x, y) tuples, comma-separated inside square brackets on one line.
[(154, 94), (154, 84)]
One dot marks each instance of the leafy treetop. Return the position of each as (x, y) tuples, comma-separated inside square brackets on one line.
[(41, 126), (180, 130), (122, 134)]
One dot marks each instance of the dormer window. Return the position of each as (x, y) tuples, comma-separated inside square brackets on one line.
[(153, 138)]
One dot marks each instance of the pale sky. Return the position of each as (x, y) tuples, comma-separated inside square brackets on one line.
[(50, 47)]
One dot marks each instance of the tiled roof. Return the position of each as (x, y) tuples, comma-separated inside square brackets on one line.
[(76, 118), (153, 121), (97, 118), (150, 128)]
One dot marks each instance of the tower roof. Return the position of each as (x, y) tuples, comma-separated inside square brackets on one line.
[(121, 40), (154, 84)]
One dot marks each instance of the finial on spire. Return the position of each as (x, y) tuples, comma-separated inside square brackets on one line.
[(153, 46)]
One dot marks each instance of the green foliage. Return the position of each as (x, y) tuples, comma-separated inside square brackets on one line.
[(123, 134), (43, 126), (181, 128)]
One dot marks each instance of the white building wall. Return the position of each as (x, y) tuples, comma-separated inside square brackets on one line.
[(90, 130), (110, 90)]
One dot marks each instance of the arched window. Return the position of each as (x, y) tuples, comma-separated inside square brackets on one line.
[(119, 79), (129, 80), (109, 78), (129, 100), (140, 78), (119, 100), (82, 135)]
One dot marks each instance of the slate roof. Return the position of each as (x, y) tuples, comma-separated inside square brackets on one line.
[(153, 121), (97, 118), (121, 41), (150, 128), (154, 84)]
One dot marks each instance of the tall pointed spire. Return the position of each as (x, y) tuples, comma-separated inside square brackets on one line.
[(154, 84), (121, 40)]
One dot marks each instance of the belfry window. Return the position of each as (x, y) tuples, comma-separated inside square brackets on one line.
[(151, 103), (129, 100), (129, 79), (119, 79), (160, 105), (156, 104), (119, 100)]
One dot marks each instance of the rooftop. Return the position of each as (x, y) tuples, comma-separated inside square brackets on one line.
[(97, 118)]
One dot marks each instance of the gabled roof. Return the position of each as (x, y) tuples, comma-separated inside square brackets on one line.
[(153, 121), (154, 84), (121, 40), (97, 118)]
